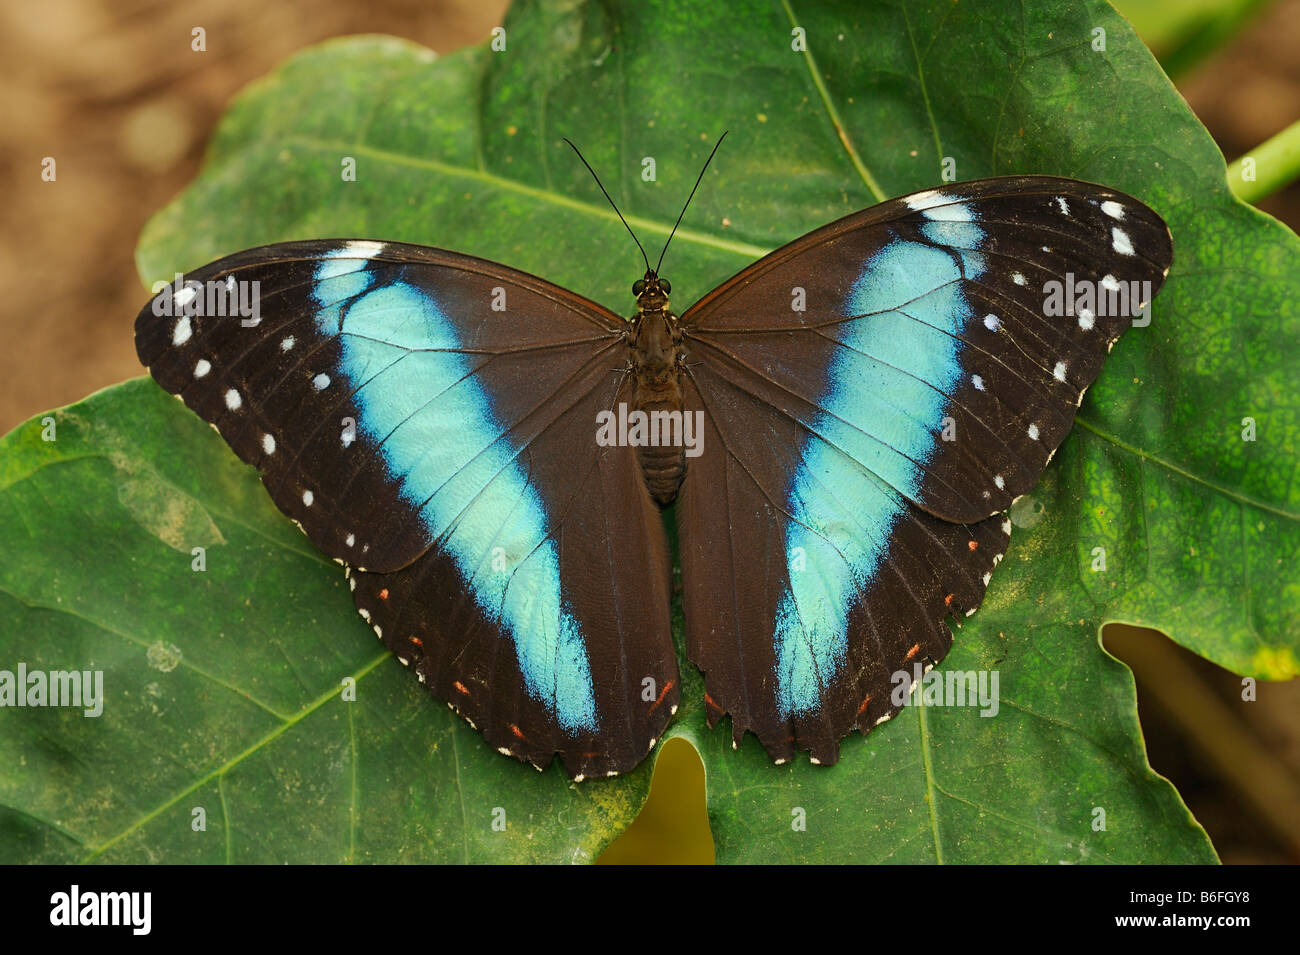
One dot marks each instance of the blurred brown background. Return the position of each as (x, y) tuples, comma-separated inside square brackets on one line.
[(113, 91)]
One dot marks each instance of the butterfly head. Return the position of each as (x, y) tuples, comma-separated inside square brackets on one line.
[(651, 291)]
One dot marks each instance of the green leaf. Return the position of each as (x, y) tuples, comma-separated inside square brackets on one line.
[(464, 152)]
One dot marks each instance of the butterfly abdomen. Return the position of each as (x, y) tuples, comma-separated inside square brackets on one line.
[(663, 466), (656, 362)]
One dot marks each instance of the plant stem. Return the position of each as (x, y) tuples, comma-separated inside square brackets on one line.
[(1276, 164), (1187, 33)]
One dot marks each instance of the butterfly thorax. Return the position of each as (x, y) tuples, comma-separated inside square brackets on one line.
[(656, 358)]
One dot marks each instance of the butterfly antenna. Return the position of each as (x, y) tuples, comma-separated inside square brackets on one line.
[(690, 197), (611, 201)]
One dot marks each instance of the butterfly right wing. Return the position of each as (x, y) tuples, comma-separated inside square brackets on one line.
[(876, 394), (431, 418)]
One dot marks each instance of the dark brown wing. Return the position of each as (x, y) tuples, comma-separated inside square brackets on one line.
[(431, 418), (876, 394)]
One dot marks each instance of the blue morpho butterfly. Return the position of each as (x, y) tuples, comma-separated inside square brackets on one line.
[(844, 424)]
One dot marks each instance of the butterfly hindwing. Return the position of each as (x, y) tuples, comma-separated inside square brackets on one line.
[(609, 549), (428, 418), (878, 392), (808, 581)]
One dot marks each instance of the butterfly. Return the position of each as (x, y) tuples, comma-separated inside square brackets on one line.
[(841, 426)]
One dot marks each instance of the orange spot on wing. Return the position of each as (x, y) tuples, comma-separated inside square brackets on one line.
[(863, 708), (710, 701), (912, 652), (461, 687), (662, 693), (383, 594), (417, 641), (517, 731), (974, 545), (947, 601)]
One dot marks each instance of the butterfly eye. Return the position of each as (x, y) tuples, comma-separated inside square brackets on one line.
[(638, 286), (666, 285)]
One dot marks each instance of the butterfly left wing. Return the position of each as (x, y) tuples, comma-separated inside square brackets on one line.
[(875, 394), (429, 419)]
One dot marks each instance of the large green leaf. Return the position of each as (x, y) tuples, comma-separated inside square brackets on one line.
[(223, 685)]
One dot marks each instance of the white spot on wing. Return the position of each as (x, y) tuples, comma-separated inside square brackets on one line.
[(1017, 278), (351, 539), (1061, 204), (1033, 432), (202, 367), (348, 258), (1059, 371), (997, 479), (1113, 209), (1109, 284), (938, 207), (286, 343), (362, 249), (991, 323), (321, 381), (1120, 242), (308, 497), (185, 296), (233, 401), (181, 333), (924, 200), (1086, 320), (268, 444), (978, 382)]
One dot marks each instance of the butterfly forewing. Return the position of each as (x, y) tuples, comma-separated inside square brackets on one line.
[(933, 307)]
